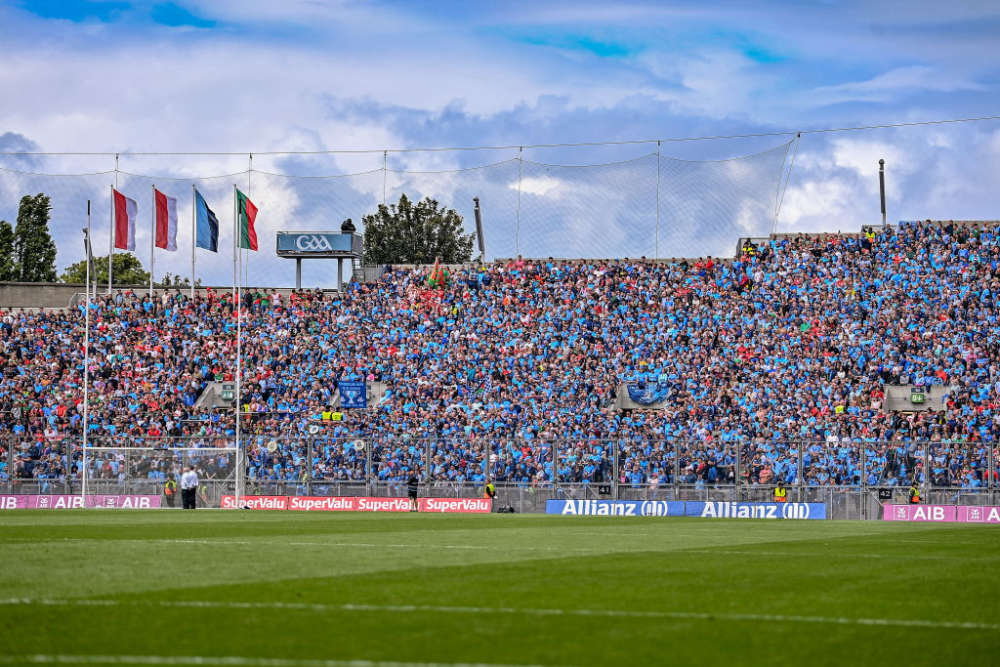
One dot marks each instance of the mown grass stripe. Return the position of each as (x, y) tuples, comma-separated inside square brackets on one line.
[(444, 609)]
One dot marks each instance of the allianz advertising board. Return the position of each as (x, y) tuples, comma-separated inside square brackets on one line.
[(715, 510)]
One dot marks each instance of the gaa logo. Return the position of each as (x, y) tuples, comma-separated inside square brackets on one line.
[(312, 243)]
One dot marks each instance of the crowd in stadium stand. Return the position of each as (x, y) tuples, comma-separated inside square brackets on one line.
[(784, 349)]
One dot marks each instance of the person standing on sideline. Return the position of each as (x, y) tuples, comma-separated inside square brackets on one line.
[(491, 493), (780, 494), (411, 488), (189, 488), (170, 490)]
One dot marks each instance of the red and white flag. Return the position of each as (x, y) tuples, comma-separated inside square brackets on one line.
[(166, 221), (125, 210)]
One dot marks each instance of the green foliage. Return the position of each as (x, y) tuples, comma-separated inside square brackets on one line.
[(127, 271), (408, 233), (34, 249), (7, 262), (170, 280)]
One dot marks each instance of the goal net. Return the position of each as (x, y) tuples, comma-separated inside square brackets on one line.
[(145, 471)]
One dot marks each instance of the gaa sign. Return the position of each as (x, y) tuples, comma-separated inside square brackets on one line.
[(318, 244)]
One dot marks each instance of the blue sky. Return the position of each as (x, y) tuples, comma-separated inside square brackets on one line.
[(258, 75)]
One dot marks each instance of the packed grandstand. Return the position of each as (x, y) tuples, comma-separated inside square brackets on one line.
[(779, 356)]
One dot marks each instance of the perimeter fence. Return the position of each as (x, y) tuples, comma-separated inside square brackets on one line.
[(847, 476)]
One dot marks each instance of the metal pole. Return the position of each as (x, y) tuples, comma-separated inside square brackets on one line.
[(368, 466), (881, 187), (800, 474), (554, 447), (152, 241), (427, 460), (677, 469), (737, 469), (194, 232), (239, 351), (864, 483), (614, 467), (991, 468), (111, 233), (656, 254), (309, 466), (298, 273), (86, 374), (517, 224), (385, 173), (340, 272)]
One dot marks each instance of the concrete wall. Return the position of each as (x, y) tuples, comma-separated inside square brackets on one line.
[(37, 295), (63, 295)]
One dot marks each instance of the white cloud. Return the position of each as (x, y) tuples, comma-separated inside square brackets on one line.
[(537, 185)]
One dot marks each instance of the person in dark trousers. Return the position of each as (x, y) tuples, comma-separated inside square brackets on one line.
[(189, 488), (170, 491), (412, 484), (914, 493)]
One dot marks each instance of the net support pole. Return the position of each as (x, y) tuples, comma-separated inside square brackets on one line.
[(881, 187), (86, 375), (517, 220), (677, 467), (385, 174), (800, 472), (614, 468), (656, 249), (310, 449), (555, 464), (991, 468), (863, 484), (427, 460)]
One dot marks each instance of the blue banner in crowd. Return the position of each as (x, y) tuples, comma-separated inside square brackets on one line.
[(715, 510), (648, 393), (352, 394)]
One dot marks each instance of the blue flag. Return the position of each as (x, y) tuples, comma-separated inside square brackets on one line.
[(208, 224), (352, 394)]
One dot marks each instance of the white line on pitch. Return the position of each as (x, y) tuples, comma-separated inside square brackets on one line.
[(604, 613), (236, 661)]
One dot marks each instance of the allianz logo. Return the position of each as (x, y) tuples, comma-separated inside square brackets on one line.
[(312, 243)]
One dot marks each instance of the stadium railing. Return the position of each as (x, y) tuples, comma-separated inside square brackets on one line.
[(640, 469)]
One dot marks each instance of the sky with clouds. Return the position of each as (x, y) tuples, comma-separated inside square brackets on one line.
[(301, 75)]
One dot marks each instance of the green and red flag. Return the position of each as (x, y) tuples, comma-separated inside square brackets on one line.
[(246, 213)]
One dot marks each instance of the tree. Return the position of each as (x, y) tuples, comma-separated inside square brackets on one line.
[(170, 280), (7, 262), (405, 233), (128, 271), (34, 249)]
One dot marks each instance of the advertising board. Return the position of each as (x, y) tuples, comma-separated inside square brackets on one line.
[(717, 510), (358, 504), (941, 513), (65, 501)]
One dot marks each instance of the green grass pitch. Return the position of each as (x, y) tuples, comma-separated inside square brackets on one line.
[(284, 589)]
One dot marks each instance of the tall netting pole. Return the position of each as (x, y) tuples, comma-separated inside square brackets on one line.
[(656, 251), (517, 224), (86, 370)]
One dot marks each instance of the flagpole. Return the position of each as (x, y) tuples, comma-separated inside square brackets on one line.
[(239, 350), (111, 238), (194, 234), (86, 369), (152, 241)]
